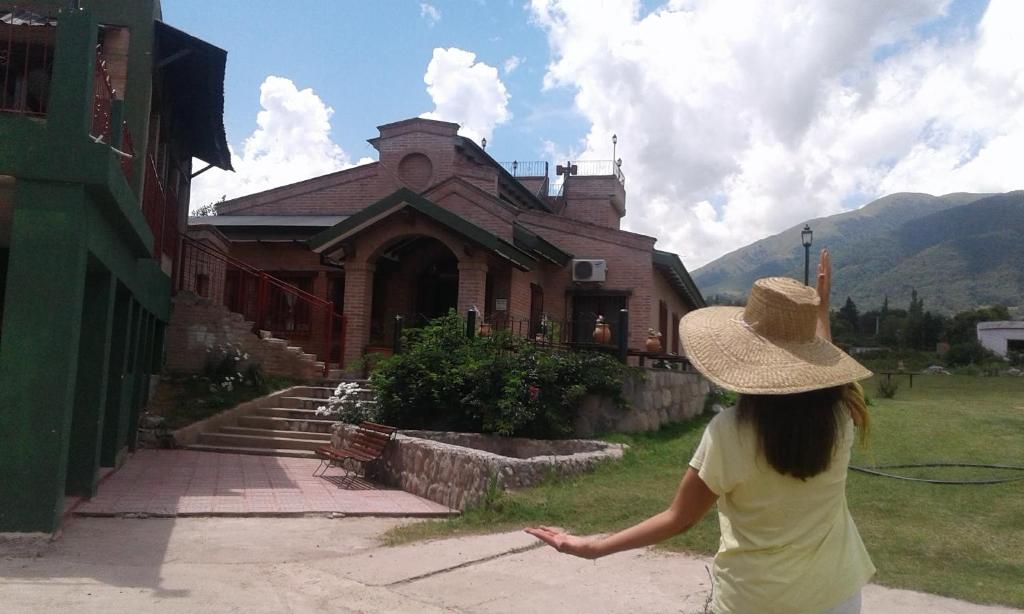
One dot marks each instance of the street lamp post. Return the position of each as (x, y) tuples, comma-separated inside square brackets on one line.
[(806, 236)]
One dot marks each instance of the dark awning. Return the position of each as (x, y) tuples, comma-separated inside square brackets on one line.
[(532, 243), (193, 76), (672, 268)]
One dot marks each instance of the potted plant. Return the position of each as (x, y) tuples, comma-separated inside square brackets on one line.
[(485, 329), (602, 333), (653, 341)]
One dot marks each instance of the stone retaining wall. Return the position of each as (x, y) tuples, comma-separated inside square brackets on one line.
[(662, 397), (422, 463), (198, 323)]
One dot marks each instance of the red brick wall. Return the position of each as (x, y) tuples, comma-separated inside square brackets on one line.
[(629, 264)]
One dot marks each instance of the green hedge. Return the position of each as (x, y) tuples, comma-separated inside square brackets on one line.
[(501, 384)]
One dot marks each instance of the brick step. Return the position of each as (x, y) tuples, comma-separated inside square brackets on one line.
[(256, 451), (267, 432), (290, 412), (256, 441), (276, 423)]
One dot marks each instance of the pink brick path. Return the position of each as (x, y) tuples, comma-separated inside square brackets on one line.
[(186, 482)]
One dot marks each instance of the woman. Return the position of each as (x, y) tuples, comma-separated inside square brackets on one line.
[(776, 463)]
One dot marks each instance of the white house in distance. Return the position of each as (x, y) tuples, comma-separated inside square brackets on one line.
[(1002, 337)]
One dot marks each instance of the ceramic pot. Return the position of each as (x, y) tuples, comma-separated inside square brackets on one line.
[(602, 333), (653, 344)]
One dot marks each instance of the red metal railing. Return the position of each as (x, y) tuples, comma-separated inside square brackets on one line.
[(154, 203), (128, 153), (272, 304), (26, 59), (102, 98)]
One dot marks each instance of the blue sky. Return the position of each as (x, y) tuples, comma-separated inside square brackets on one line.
[(736, 119), (366, 60)]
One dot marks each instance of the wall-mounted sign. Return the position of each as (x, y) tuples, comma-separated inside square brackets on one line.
[(501, 304)]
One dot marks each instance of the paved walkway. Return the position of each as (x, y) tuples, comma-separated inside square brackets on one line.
[(191, 483), (297, 565)]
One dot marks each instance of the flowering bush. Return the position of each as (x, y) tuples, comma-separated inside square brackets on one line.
[(496, 384), (348, 406), (653, 333), (224, 368)]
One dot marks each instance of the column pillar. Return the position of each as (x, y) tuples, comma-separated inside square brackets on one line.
[(39, 352), (91, 383), (472, 286), (358, 305)]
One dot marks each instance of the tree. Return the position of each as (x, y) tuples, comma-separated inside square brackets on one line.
[(209, 209), (885, 306), (850, 313)]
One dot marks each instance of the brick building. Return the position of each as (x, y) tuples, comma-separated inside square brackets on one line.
[(435, 224)]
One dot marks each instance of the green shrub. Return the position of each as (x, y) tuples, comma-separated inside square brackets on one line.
[(495, 384), (969, 353), (887, 388)]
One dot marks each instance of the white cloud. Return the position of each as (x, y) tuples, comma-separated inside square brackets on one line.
[(291, 142), (467, 92), (511, 63), (430, 13), (739, 118)]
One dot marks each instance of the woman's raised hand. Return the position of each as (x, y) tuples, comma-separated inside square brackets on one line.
[(582, 547), (824, 292)]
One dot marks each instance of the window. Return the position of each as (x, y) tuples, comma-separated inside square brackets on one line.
[(286, 312), (675, 333), (587, 307), (663, 320)]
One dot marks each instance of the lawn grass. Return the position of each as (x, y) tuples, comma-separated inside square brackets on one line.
[(959, 541)]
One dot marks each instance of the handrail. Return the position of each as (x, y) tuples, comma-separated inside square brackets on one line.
[(262, 311)]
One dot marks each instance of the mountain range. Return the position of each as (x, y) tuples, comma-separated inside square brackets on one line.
[(959, 251)]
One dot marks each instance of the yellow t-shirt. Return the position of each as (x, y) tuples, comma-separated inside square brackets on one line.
[(787, 545)]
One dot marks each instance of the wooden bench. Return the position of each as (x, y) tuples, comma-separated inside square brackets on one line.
[(366, 445)]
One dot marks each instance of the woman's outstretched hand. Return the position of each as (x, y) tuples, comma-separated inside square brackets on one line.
[(583, 547), (824, 292)]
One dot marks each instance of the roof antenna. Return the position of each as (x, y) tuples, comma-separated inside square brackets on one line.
[(483, 142), (615, 142)]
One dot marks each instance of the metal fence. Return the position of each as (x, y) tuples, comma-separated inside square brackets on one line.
[(528, 168), (27, 36)]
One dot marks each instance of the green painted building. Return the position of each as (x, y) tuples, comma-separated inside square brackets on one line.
[(102, 109)]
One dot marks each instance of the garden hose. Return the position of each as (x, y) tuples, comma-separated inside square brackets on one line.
[(875, 471)]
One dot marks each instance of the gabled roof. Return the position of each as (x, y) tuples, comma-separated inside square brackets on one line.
[(530, 241), (672, 267), (405, 198)]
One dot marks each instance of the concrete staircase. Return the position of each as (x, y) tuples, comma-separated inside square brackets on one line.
[(283, 424)]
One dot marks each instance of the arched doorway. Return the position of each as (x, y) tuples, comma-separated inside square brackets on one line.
[(416, 277)]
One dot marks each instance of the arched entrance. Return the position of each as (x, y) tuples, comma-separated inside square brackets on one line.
[(416, 277)]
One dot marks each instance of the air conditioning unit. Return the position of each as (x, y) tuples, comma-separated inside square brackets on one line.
[(589, 270)]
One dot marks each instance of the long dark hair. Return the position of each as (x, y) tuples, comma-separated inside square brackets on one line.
[(798, 432)]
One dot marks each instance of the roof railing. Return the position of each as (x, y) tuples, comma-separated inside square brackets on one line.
[(527, 168)]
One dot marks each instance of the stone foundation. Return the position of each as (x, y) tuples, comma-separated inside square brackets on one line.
[(457, 469), (662, 397)]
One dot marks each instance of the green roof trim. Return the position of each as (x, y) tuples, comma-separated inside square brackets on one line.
[(672, 266), (405, 197), (528, 240)]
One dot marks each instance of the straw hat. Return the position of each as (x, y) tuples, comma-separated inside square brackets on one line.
[(768, 347)]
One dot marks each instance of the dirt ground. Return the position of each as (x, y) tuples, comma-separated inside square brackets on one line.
[(320, 565)]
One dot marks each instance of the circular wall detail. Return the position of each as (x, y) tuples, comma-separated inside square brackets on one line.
[(416, 170)]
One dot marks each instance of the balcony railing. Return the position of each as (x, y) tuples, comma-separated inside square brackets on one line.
[(599, 168), (102, 100), (26, 59), (517, 168), (154, 206)]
